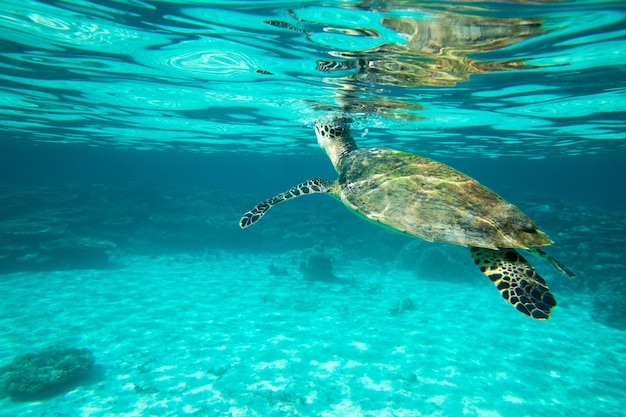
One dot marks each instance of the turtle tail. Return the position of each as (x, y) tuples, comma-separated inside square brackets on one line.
[(307, 187)]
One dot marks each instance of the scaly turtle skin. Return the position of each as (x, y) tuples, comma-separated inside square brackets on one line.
[(432, 201)]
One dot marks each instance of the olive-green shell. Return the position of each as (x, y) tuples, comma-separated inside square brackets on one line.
[(432, 201)]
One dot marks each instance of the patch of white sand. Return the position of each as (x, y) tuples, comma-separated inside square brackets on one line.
[(217, 335)]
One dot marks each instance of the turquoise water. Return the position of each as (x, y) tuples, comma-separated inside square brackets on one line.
[(134, 135)]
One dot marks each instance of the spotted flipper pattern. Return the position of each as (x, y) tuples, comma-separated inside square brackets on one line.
[(516, 279), (304, 188)]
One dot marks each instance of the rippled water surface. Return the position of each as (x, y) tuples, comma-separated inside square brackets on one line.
[(535, 79)]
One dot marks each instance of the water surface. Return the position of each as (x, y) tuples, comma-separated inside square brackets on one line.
[(134, 134)]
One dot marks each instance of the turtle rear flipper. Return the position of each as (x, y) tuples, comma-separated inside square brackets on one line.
[(558, 265), (307, 187), (516, 279)]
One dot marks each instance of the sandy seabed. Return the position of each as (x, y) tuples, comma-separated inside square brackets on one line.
[(218, 335)]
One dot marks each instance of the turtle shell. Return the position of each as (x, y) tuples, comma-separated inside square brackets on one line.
[(432, 201)]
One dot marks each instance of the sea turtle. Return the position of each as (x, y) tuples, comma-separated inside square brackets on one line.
[(430, 200)]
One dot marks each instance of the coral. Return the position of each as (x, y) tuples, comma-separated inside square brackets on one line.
[(609, 305), (278, 271), (438, 261), (77, 252), (318, 267), (401, 306), (33, 372)]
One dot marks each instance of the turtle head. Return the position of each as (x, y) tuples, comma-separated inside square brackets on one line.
[(335, 138)]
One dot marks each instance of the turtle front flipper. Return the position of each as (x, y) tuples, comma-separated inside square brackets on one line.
[(304, 188), (516, 279)]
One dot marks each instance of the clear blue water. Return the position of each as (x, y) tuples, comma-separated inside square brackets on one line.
[(134, 134)]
